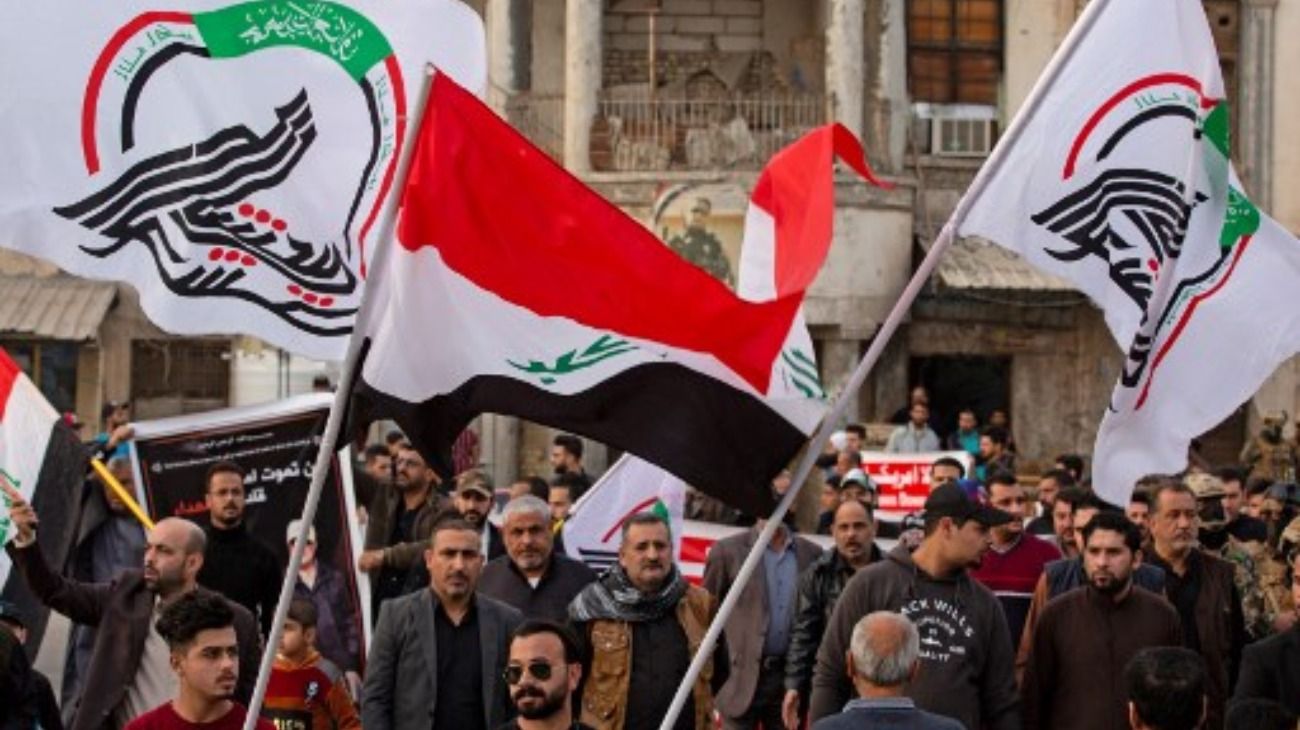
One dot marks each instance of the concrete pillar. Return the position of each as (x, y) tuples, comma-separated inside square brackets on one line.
[(1254, 138), (838, 359), (499, 447), (509, 45), (891, 106), (845, 80), (582, 79)]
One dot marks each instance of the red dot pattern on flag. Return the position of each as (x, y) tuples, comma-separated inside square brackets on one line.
[(265, 217), (231, 256), (311, 298)]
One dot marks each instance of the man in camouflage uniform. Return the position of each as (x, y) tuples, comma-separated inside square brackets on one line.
[(1267, 455), (1273, 570), (1215, 540), (700, 246)]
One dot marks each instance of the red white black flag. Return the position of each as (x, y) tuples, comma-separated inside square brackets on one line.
[(516, 289), (43, 463)]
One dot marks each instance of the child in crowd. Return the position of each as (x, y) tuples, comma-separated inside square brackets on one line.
[(306, 691)]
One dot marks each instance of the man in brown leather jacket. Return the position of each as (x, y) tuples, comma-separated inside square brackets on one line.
[(644, 623), (1202, 589)]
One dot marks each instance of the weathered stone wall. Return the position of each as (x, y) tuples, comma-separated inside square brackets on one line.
[(1064, 364), (687, 26)]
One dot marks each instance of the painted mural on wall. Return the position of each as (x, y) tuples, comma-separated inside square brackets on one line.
[(704, 224)]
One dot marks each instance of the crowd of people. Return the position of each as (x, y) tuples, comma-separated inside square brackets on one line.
[(1002, 604)]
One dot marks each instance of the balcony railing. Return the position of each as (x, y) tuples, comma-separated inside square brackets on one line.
[(734, 132), (540, 117), (643, 134)]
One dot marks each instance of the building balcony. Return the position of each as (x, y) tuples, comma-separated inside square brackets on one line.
[(732, 132), (663, 132)]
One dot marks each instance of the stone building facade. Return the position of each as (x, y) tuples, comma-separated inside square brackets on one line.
[(661, 103), (636, 96)]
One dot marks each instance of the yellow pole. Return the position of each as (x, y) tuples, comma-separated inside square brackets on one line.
[(107, 477)]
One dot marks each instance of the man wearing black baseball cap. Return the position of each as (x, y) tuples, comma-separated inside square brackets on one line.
[(967, 666)]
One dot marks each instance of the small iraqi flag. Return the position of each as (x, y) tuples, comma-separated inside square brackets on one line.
[(516, 289), (41, 460)]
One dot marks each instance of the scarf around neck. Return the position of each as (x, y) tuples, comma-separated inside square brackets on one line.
[(613, 597)]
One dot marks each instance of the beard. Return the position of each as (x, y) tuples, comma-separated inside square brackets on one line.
[(552, 702), (1113, 587)]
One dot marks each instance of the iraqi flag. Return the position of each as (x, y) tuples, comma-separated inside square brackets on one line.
[(516, 289), (1122, 183), (41, 460)]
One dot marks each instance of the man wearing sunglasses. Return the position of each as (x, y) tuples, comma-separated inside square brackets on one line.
[(543, 672)]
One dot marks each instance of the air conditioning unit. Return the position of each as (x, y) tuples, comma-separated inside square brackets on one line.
[(955, 130)]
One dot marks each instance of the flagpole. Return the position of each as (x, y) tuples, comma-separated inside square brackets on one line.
[(882, 337), (334, 423), (133, 506)]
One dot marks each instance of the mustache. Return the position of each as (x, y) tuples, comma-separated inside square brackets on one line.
[(529, 691)]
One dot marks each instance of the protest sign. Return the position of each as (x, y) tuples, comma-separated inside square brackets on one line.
[(276, 445), (904, 479)]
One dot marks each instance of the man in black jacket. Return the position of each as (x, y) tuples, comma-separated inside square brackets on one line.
[(854, 529), (236, 564), (532, 576)]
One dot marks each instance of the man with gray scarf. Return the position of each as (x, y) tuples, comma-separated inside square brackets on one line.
[(644, 623)]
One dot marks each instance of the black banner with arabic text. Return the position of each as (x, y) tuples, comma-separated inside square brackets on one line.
[(277, 452)]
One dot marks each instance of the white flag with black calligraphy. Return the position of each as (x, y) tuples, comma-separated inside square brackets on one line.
[(230, 160), (1122, 184)]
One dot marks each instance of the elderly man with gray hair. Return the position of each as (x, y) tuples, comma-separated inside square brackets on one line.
[(532, 576), (883, 656)]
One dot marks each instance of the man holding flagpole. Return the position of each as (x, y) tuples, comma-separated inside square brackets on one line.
[(1121, 182)]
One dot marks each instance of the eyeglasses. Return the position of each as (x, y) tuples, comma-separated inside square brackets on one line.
[(539, 669)]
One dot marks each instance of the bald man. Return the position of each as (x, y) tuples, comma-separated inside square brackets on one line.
[(129, 671)]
